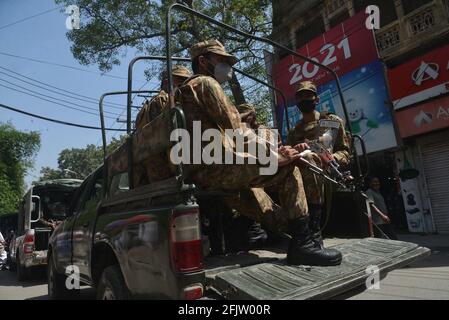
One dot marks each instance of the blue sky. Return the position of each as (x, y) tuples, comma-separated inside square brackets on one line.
[(44, 38)]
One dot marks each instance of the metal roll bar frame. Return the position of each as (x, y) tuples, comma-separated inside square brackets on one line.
[(103, 131), (180, 7)]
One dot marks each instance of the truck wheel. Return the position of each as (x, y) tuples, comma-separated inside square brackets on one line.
[(23, 273), (56, 283), (112, 286)]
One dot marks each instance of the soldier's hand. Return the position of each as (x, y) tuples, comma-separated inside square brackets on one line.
[(301, 147), (326, 157), (287, 155)]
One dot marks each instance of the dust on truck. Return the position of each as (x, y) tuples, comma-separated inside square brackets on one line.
[(43, 207)]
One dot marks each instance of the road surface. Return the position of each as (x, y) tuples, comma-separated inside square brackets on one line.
[(426, 279)]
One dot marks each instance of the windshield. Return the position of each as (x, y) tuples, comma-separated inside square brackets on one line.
[(55, 204)]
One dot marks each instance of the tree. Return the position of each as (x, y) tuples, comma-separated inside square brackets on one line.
[(78, 163), (108, 27), (17, 151)]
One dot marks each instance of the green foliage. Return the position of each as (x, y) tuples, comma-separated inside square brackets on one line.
[(17, 150), (109, 27), (78, 163)]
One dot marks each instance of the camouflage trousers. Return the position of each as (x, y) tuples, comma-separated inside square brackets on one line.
[(253, 201), (313, 184), (257, 205)]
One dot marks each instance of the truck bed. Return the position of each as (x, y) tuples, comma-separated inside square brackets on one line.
[(264, 274)]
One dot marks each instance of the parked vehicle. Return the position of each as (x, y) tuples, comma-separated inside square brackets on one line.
[(42, 208)]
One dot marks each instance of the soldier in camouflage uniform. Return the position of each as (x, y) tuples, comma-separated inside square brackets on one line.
[(203, 99), (157, 168), (152, 108), (312, 125)]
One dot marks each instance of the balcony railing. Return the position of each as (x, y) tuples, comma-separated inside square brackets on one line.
[(410, 31), (422, 21), (389, 38)]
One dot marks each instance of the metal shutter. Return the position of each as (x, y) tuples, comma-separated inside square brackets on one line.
[(435, 157)]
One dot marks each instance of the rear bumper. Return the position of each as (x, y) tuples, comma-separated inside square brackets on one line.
[(37, 258)]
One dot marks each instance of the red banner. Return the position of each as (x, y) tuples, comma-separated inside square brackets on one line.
[(343, 48), (423, 118), (420, 79)]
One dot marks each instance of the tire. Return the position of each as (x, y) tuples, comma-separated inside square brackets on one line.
[(56, 283), (112, 285), (23, 273)]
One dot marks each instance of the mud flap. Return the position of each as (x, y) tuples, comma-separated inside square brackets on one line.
[(277, 280)]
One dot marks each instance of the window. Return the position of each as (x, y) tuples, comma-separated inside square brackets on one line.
[(94, 193), (119, 183), (310, 32), (387, 9), (411, 5), (79, 197)]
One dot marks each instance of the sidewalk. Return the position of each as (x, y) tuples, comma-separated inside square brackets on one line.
[(427, 279)]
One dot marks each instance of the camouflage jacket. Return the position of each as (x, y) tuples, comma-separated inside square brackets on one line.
[(311, 131), (151, 109), (203, 99)]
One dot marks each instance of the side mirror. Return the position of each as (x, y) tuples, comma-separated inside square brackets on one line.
[(36, 212)]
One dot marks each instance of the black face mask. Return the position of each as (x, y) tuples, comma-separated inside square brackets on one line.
[(306, 106)]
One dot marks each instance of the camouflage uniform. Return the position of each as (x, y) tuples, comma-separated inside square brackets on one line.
[(203, 99), (152, 108), (314, 185), (255, 202), (157, 167)]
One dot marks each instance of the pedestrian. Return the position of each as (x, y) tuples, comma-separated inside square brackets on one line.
[(379, 211), (3, 254)]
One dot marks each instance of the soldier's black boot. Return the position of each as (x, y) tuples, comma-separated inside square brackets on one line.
[(304, 250), (315, 222)]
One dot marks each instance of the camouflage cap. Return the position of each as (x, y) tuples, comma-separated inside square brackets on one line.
[(245, 108), (213, 46), (179, 71), (306, 86)]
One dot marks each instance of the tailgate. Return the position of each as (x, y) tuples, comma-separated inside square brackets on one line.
[(277, 280)]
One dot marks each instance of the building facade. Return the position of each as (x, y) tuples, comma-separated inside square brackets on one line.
[(412, 45)]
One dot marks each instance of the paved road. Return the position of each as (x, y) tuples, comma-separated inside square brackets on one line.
[(423, 280), (34, 289), (11, 289), (426, 279)]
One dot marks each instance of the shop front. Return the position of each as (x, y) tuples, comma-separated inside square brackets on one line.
[(420, 93), (425, 165)]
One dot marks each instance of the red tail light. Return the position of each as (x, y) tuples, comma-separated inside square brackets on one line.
[(28, 242), (193, 292), (185, 238)]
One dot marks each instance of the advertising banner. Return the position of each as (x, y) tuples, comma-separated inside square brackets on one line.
[(420, 79), (367, 103), (350, 50), (343, 48), (423, 118)]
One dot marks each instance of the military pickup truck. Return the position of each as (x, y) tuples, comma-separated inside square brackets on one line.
[(151, 242), (43, 206), (132, 240)]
